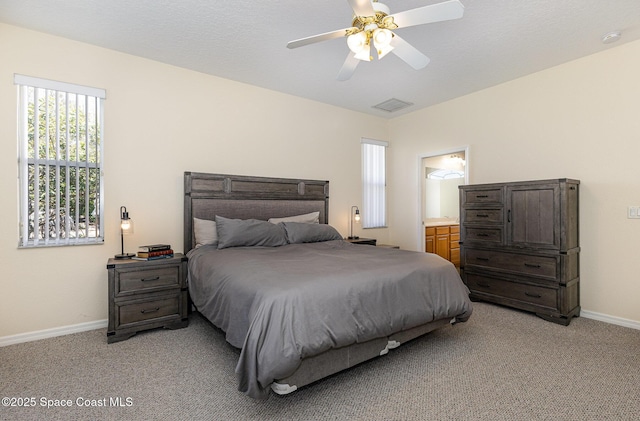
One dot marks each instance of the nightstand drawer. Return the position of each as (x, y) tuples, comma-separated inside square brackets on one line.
[(537, 295), (147, 279), (138, 311), (146, 295)]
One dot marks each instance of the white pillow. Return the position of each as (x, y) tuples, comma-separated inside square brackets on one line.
[(205, 232), (309, 218)]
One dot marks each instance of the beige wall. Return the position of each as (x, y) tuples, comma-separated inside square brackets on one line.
[(578, 120), (160, 121)]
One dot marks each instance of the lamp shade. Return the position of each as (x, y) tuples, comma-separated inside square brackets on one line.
[(382, 37), (353, 217), (357, 42), (382, 41), (365, 54), (126, 227)]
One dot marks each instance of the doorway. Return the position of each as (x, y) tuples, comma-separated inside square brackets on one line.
[(440, 175)]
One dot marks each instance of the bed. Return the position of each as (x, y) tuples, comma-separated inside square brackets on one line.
[(297, 300)]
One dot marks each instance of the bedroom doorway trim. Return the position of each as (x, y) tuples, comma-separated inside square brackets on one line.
[(421, 184)]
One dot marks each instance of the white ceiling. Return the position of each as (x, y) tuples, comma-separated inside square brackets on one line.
[(243, 40)]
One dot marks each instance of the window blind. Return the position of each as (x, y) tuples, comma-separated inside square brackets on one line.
[(374, 183), (60, 162)]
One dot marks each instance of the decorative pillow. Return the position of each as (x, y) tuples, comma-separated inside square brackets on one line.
[(300, 232), (205, 232), (249, 232), (310, 218)]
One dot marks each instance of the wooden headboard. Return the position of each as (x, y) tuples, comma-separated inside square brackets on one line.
[(243, 197)]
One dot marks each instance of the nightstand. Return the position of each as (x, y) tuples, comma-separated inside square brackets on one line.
[(146, 295), (367, 241)]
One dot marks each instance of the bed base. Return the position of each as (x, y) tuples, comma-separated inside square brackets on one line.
[(335, 360)]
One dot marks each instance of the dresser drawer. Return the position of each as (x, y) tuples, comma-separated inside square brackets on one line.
[(540, 266), (532, 294), (482, 196), (147, 279), (489, 235), (142, 310), (483, 216)]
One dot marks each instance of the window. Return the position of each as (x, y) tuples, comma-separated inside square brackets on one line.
[(374, 182), (443, 174), (60, 131)]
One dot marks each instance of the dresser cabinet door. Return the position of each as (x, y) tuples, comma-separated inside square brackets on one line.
[(533, 221)]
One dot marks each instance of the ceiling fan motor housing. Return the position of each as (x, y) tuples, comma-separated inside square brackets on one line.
[(370, 23)]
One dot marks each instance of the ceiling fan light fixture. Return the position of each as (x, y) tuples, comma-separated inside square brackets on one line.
[(373, 21), (382, 37), (357, 42), (364, 54), (383, 50), (382, 41)]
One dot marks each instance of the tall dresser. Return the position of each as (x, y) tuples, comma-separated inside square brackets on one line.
[(519, 245)]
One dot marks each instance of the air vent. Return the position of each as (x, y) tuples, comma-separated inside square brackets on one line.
[(392, 105)]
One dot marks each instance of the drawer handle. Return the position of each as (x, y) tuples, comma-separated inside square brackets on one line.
[(150, 279), (531, 265), (529, 294), (151, 310), (483, 285), (482, 196), (483, 259), (482, 234), (482, 215)]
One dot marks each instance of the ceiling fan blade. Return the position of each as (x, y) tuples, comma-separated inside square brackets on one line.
[(317, 38), (362, 7), (438, 12), (348, 67), (408, 53)]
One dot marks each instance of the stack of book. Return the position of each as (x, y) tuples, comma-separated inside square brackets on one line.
[(154, 252)]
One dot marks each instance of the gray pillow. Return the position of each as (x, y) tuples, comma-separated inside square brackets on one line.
[(300, 232), (205, 232), (248, 232), (312, 218)]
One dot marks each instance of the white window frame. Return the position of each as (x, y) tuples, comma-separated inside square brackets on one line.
[(374, 183), (64, 155)]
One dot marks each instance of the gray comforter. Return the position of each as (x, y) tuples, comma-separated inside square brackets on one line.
[(283, 304)]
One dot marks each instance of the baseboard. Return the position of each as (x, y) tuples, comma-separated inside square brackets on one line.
[(51, 333), (610, 319), (99, 324)]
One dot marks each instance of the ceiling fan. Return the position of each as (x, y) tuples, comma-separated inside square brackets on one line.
[(372, 23)]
